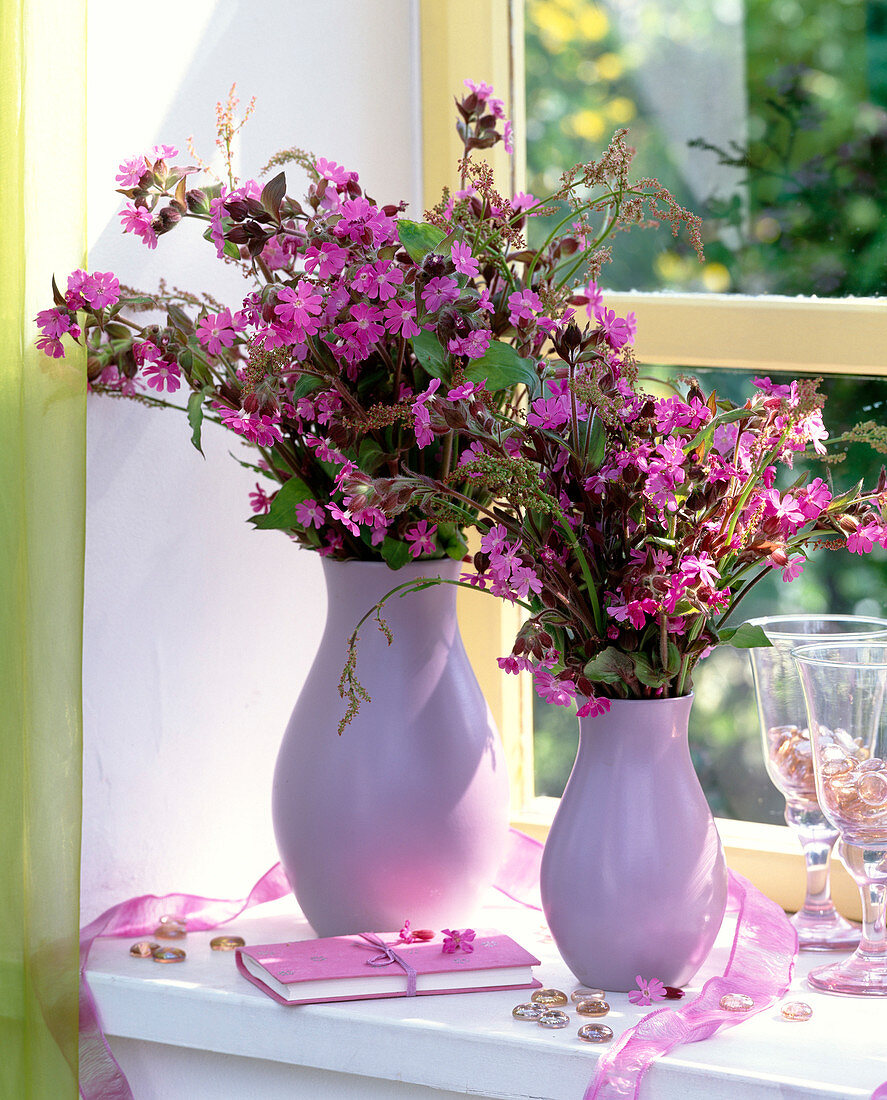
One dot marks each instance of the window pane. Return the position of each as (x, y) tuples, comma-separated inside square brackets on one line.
[(724, 734), (766, 117)]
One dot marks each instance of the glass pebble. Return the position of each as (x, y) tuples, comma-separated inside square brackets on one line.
[(168, 955), (736, 1002), (527, 1011), (840, 766), (549, 998), (143, 949), (227, 943), (171, 928), (872, 788), (595, 1033), (581, 993), (592, 1008), (553, 1017), (797, 1010)]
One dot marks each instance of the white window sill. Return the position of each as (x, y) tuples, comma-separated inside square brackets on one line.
[(199, 1030)]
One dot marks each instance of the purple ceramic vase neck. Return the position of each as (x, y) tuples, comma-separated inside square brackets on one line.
[(633, 875), (404, 816)]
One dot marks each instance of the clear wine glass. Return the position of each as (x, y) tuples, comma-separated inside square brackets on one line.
[(845, 689), (789, 760)]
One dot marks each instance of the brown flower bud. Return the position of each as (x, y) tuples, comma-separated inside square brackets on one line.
[(197, 201), (846, 523), (167, 218), (434, 265)]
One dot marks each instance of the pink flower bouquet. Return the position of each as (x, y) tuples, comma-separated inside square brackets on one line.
[(628, 525), (359, 325)]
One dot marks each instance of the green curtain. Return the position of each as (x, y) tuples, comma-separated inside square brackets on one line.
[(42, 505)]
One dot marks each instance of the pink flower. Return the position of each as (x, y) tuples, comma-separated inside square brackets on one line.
[(414, 935), (482, 90), (508, 137), (458, 940), (864, 538), (160, 374), (617, 330), (328, 258), (463, 259), (700, 569), (216, 331), (55, 323), (138, 220), (335, 173), (594, 298), (95, 291), (343, 517), (561, 693), (259, 500), (648, 991), (51, 346), (463, 392), (792, 569), (309, 512), (296, 306), (523, 305), (400, 317), (593, 708), (440, 292), (522, 201), (164, 152), (421, 416), (472, 346), (130, 172), (422, 538)]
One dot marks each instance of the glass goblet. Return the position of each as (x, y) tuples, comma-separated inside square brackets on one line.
[(789, 760), (845, 689)]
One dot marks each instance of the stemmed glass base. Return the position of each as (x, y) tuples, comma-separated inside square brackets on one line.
[(827, 931), (819, 925), (864, 973)]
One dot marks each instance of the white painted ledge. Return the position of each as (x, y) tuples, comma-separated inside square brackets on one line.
[(198, 1030)]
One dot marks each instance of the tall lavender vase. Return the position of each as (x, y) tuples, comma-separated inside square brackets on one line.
[(633, 874), (405, 816)]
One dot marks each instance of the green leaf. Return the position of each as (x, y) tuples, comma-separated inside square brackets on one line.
[(307, 383), (451, 540), (431, 355), (503, 368), (395, 552), (231, 250), (745, 636), (273, 193), (179, 319), (649, 676), (370, 455), (282, 515), (595, 448), (612, 666), (419, 238), (195, 417)]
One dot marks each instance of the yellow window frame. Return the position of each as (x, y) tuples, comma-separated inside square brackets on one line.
[(484, 40)]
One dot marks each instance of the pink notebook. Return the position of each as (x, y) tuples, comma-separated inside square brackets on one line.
[(338, 969)]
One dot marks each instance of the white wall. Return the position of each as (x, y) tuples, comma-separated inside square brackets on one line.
[(199, 631)]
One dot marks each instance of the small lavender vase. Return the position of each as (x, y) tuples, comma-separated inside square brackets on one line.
[(405, 816), (633, 875)]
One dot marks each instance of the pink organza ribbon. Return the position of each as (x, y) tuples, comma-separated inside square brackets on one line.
[(765, 946), (760, 964), (101, 1078)]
